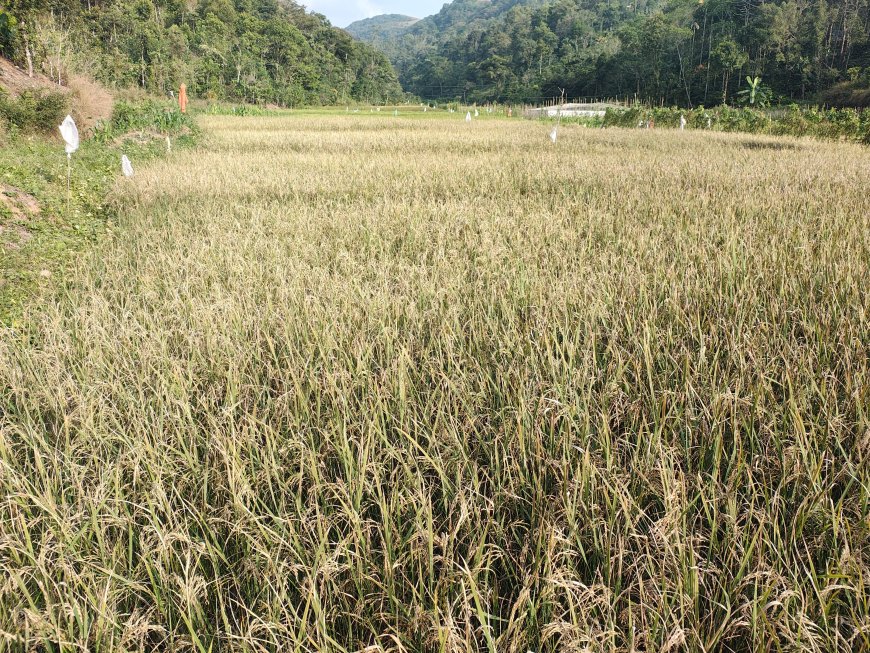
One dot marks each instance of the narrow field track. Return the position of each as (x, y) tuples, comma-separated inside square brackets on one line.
[(370, 383)]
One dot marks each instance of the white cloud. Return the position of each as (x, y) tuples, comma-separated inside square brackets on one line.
[(342, 12), (369, 8)]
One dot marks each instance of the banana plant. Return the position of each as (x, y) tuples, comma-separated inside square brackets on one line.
[(756, 94)]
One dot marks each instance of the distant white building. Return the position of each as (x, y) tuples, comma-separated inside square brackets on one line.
[(570, 111)]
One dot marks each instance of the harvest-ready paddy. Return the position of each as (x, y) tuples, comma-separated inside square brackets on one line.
[(342, 383)]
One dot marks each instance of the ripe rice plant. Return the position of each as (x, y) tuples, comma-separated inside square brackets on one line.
[(337, 383)]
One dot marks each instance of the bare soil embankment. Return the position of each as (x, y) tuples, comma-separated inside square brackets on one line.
[(89, 101)]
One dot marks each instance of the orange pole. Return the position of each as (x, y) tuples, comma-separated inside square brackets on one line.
[(182, 98)]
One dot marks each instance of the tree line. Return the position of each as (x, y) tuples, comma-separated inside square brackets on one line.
[(259, 51)]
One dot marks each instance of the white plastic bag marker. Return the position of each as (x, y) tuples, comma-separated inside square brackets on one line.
[(682, 122), (70, 134), (554, 135), (468, 117), (126, 166), (476, 114)]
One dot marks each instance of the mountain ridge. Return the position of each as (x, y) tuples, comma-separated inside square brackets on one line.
[(379, 31), (401, 20)]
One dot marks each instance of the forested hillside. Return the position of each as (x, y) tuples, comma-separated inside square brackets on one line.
[(381, 31), (246, 50), (420, 41), (688, 52)]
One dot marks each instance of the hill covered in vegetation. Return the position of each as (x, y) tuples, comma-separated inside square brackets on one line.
[(264, 51), (380, 28), (687, 52), (414, 44)]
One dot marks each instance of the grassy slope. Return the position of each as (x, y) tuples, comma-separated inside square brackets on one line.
[(37, 165), (339, 382)]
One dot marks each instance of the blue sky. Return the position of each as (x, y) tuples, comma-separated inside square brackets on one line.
[(343, 12)]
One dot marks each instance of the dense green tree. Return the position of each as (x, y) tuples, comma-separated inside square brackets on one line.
[(729, 58), (8, 31)]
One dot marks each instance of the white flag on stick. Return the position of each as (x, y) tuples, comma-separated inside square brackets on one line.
[(70, 134), (126, 166)]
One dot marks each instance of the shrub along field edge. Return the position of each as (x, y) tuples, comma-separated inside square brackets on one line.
[(836, 124)]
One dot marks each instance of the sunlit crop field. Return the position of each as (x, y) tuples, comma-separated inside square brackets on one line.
[(338, 383)]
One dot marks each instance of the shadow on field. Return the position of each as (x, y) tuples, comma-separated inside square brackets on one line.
[(768, 145)]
